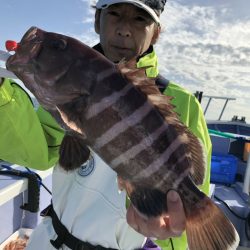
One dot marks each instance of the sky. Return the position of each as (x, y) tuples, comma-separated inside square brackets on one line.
[(204, 45)]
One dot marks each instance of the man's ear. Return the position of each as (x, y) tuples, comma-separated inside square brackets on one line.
[(156, 34), (97, 21)]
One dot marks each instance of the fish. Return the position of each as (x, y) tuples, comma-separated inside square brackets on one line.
[(123, 117)]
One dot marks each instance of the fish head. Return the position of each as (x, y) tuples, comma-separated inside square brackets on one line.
[(54, 67)]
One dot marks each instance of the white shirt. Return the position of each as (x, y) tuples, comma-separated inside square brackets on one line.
[(88, 203)]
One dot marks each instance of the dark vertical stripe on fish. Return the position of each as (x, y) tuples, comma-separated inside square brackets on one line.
[(106, 102), (153, 153), (156, 165), (108, 82), (114, 114), (142, 131), (168, 175), (161, 160), (136, 149), (122, 125)]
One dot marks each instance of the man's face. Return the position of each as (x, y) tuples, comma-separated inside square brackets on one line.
[(125, 30)]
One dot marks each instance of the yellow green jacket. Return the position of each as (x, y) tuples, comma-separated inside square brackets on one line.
[(31, 137)]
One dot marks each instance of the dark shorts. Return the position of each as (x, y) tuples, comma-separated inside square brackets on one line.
[(150, 245)]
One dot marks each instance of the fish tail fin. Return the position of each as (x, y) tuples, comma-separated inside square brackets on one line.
[(208, 228), (73, 152)]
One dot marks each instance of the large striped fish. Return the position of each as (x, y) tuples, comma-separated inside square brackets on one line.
[(129, 124)]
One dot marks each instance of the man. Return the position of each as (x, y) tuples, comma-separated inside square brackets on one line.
[(86, 201)]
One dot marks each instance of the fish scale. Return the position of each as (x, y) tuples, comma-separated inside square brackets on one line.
[(126, 120), (109, 144), (128, 123)]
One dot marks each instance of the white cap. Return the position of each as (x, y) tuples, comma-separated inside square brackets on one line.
[(102, 4)]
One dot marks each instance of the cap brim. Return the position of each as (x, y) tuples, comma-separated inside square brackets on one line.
[(102, 4)]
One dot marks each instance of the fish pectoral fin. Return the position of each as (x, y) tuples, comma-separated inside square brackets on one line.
[(72, 125), (73, 151)]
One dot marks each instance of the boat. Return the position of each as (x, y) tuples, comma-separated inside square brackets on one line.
[(236, 126), (18, 220), (230, 169)]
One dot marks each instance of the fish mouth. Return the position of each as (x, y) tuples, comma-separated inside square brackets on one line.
[(29, 48)]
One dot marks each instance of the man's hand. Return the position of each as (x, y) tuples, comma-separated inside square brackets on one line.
[(171, 224)]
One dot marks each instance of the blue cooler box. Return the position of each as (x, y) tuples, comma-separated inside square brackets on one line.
[(223, 168)]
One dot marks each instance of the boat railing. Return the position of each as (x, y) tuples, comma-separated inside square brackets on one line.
[(3, 71), (227, 99)]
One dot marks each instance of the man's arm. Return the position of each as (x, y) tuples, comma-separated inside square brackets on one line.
[(28, 138)]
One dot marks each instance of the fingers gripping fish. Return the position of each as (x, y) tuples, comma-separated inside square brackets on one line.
[(129, 124)]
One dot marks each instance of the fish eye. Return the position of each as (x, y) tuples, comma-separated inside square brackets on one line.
[(59, 44)]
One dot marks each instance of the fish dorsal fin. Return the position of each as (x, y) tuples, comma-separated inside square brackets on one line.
[(138, 78)]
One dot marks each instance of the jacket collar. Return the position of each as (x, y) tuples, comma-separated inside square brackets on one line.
[(148, 60)]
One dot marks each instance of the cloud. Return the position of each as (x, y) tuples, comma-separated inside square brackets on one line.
[(207, 48)]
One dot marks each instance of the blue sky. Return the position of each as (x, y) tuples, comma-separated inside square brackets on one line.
[(204, 45)]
